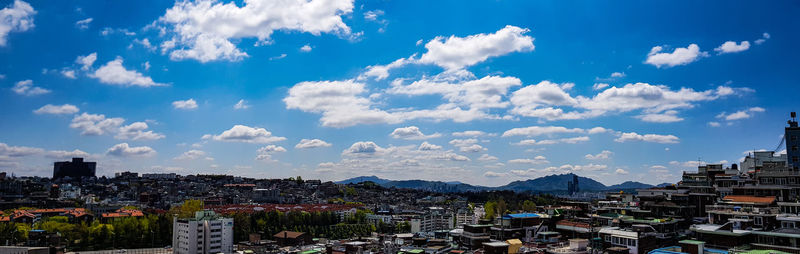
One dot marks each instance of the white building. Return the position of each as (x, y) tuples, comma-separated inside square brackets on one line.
[(205, 233), (756, 160)]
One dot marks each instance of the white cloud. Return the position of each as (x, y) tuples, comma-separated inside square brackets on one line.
[(61, 154), (86, 61), (669, 116), (474, 148), (113, 73), (83, 23), (618, 75), (540, 130), (265, 153), (463, 142), (680, 56), (124, 150), (373, 15), (26, 87), (339, 102), (487, 157), (246, 134), (70, 74), (597, 130), (137, 131), (57, 109), (472, 134), (204, 30), (278, 57), (573, 140), (185, 104), (455, 53), (95, 124), (145, 43), (656, 138), (764, 38), (305, 48), (425, 146), (484, 93), (495, 174), (192, 155), (620, 171), (732, 47), (18, 151), (242, 104), (311, 143), (535, 161), (412, 133), (527, 99), (605, 154), (363, 148), (599, 86), (17, 17), (741, 114), (713, 124)]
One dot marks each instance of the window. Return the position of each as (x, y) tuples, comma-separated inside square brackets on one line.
[(794, 148), (758, 221), (608, 238)]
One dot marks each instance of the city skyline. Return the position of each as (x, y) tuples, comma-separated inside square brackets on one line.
[(342, 89)]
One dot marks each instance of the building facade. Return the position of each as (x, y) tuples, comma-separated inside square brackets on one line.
[(205, 233)]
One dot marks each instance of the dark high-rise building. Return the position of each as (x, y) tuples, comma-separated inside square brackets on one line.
[(76, 168), (792, 137), (572, 186)]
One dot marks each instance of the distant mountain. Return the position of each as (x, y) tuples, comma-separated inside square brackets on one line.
[(553, 183), (664, 184), (374, 179), (629, 185)]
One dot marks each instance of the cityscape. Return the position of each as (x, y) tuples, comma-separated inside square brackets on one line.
[(399, 127)]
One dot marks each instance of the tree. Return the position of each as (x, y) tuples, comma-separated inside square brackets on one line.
[(187, 209), (528, 206)]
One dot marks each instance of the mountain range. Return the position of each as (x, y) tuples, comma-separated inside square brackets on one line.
[(551, 183)]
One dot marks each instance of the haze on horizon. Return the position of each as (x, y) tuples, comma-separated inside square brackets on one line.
[(484, 93)]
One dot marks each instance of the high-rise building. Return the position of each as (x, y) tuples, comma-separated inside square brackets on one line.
[(792, 137), (76, 168), (205, 233)]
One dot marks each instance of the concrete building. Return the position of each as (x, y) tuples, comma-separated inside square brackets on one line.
[(792, 137), (205, 233), (76, 168)]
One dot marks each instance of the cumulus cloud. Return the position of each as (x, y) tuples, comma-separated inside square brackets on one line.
[(540, 130), (185, 104), (98, 124), (63, 155), (741, 114), (27, 88), (18, 151), (620, 171), (246, 134), (732, 47), (265, 153), (367, 148), (605, 154), (113, 73), (242, 104), (137, 131), (669, 116), (305, 48), (70, 74), (573, 140), (472, 133), (599, 86), (311, 143), (425, 146), (86, 61), (57, 109), (494, 174), (204, 30), (656, 138), (535, 161), (95, 124), (125, 150), (487, 157), (474, 148), (680, 56), (17, 17), (412, 133), (458, 52)]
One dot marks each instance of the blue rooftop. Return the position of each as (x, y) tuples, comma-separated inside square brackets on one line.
[(522, 215)]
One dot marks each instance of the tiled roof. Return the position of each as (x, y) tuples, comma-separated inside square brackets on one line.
[(288, 234), (749, 199)]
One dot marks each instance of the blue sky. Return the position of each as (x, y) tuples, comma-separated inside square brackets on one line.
[(483, 92)]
